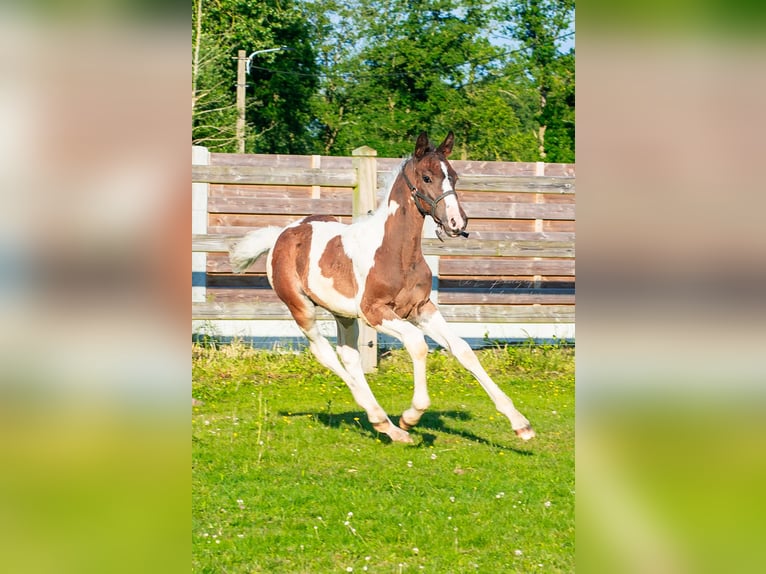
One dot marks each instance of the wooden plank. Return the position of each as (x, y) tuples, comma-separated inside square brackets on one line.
[(501, 248), (211, 310), (504, 168), (217, 243), (269, 175), (508, 284), (508, 313), (277, 160), (492, 235), (504, 183), (251, 283), (219, 263), (249, 296), (477, 182), (560, 226), (295, 206), (477, 266), (241, 223), (285, 192), (210, 243), (507, 210), (476, 224), (259, 311), (448, 296)]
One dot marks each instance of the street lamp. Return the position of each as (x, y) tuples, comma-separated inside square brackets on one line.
[(243, 67), (266, 51)]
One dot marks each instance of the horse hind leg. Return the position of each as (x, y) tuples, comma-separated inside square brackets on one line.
[(348, 351)]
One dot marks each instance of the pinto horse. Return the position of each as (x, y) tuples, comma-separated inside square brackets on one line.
[(374, 270)]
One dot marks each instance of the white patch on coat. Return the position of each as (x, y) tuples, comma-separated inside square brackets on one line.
[(362, 239), (321, 286)]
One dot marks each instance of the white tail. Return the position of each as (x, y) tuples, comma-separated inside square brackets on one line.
[(243, 252)]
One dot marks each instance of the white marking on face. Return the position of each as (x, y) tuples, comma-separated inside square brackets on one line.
[(392, 207), (450, 202), (446, 185)]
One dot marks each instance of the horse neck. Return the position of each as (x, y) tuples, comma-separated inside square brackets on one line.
[(404, 224)]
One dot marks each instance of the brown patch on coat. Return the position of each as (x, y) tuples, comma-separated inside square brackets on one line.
[(399, 282), (312, 218), (336, 265), (289, 270)]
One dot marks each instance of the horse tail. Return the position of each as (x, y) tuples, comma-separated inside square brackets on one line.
[(244, 251)]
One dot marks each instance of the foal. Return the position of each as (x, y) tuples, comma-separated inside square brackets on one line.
[(374, 269)]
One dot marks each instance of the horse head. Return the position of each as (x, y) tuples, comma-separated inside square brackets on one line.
[(432, 185)]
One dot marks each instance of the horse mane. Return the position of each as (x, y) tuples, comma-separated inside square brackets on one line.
[(385, 192)]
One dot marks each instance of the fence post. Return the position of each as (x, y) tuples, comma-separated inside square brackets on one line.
[(363, 202), (200, 156)]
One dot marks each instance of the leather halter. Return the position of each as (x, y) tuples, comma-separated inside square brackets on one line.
[(431, 202)]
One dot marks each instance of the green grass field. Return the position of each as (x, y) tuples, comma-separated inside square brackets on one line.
[(288, 475)]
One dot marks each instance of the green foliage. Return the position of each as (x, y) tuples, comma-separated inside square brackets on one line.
[(288, 475), (280, 84), (377, 72), (539, 26)]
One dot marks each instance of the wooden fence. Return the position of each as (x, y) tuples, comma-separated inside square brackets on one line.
[(517, 266)]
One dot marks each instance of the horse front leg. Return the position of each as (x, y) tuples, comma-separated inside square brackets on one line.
[(435, 326), (415, 343)]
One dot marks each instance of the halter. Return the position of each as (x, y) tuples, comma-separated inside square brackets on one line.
[(432, 202)]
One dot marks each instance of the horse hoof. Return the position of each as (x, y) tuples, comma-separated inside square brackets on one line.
[(525, 433), (399, 435), (394, 432), (404, 425)]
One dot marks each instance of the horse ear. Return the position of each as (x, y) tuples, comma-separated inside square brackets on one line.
[(422, 145), (446, 146)]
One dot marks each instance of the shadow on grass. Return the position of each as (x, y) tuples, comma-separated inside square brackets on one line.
[(431, 421)]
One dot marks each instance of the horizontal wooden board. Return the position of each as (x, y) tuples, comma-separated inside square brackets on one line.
[(219, 263), (457, 246), (506, 284), (456, 313), (242, 310), (260, 291), (293, 206), (241, 223), (499, 248), (524, 298), (251, 296), (267, 175), (476, 266), (505, 183), (285, 192), (509, 313), (386, 164), (562, 226), (514, 197), (506, 210)]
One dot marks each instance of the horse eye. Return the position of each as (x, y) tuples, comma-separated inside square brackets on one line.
[(426, 179)]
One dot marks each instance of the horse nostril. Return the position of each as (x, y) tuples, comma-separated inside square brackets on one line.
[(453, 223)]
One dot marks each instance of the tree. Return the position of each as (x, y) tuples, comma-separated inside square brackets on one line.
[(278, 100), (394, 67), (540, 26), (377, 72)]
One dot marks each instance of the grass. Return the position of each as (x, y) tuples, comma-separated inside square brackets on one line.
[(288, 475)]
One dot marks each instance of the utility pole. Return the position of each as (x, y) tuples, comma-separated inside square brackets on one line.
[(241, 60), (243, 68)]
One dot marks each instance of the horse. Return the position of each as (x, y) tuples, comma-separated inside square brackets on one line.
[(374, 270)]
